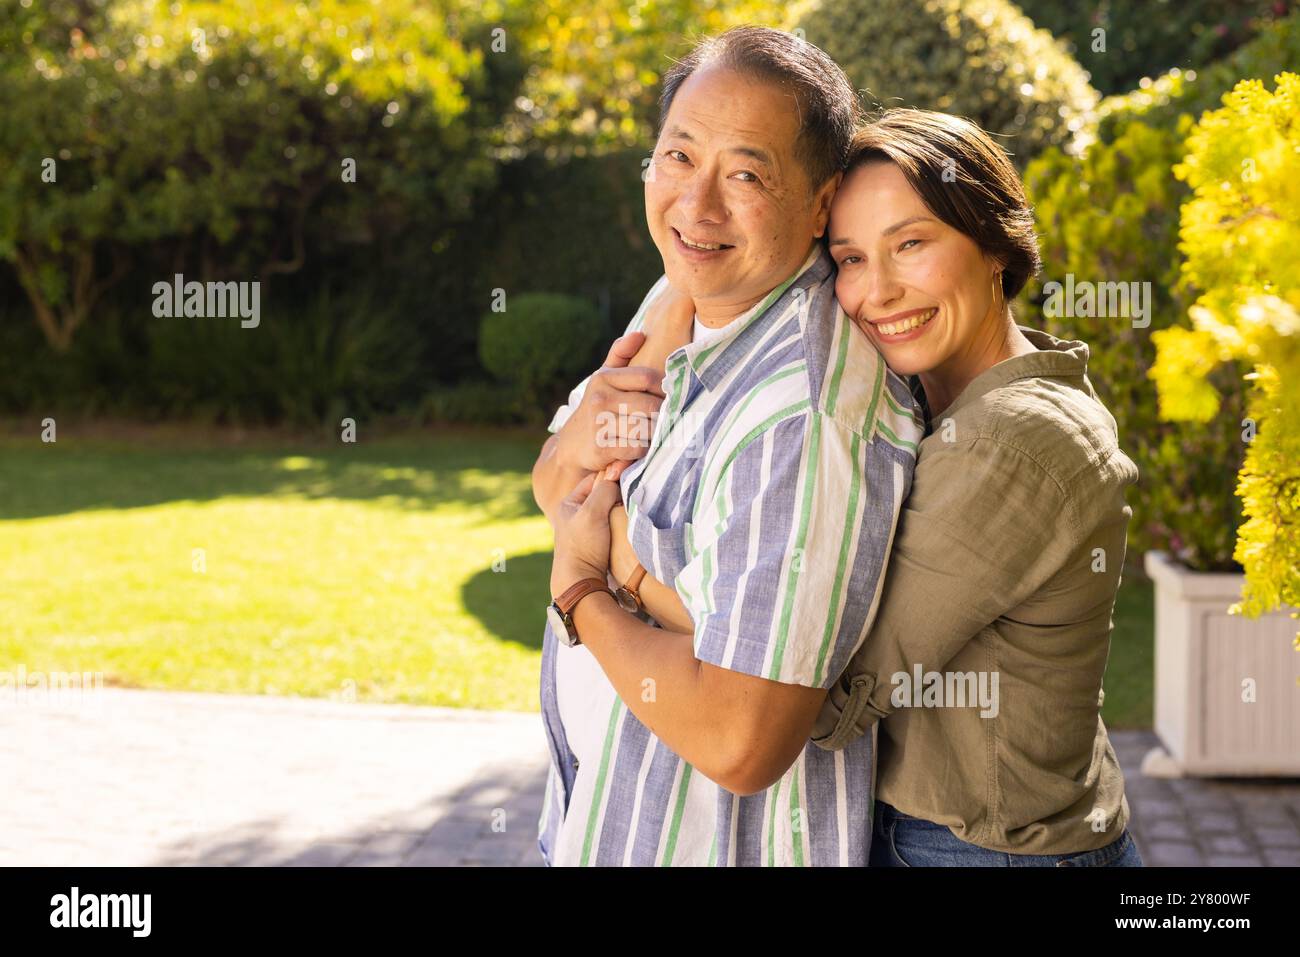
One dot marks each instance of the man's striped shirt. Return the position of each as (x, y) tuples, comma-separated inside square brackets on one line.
[(769, 498)]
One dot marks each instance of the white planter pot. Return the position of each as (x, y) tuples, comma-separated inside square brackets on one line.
[(1206, 661)]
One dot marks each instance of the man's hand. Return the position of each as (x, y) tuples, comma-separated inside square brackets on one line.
[(582, 533), (615, 420)]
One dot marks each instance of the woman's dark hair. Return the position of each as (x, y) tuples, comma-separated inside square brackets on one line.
[(829, 109), (964, 177)]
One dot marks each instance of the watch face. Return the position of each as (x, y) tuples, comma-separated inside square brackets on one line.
[(626, 601), (558, 626)]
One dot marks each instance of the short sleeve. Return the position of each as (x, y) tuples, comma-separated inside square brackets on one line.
[(575, 394), (786, 556)]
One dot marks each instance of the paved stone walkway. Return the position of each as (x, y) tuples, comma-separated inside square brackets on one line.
[(147, 777), (150, 777), (1215, 822)]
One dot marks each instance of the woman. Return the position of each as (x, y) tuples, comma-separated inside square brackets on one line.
[(988, 648)]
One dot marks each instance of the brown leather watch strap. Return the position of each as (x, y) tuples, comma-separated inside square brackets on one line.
[(578, 591), (634, 580)]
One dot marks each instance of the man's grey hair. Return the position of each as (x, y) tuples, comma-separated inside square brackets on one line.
[(829, 108)]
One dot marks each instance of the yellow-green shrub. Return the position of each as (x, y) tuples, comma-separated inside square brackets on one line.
[(1240, 234), (1112, 216)]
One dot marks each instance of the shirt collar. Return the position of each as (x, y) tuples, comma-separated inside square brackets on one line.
[(713, 360), (1061, 358)]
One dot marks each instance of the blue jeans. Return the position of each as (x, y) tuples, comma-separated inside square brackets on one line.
[(900, 840)]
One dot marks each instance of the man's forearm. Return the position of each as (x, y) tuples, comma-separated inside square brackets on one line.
[(657, 675)]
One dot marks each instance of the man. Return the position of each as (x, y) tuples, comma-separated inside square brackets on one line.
[(768, 498)]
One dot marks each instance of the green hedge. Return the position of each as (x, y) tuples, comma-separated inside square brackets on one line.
[(1146, 37), (538, 344), (472, 402), (1162, 100), (572, 227), (1113, 216), (982, 59)]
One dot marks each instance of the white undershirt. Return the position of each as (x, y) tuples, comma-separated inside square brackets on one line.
[(703, 333)]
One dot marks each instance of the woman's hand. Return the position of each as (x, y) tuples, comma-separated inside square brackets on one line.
[(667, 327), (582, 533)]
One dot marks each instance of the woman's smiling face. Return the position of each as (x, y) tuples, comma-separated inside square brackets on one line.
[(921, 290)]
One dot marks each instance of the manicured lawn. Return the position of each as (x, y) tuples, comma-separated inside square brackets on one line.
[(1129, 681), (325, 569), (330, 569)]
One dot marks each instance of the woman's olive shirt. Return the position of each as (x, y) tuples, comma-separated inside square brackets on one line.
[(1001, 581)]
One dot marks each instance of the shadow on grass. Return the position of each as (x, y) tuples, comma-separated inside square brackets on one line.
[(512, 603), (489, 473)]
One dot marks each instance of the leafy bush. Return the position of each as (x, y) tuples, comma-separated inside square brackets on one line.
[(314, 359), (221, 131), (1240, 232), (580, 221), (982, 59), (1144, 37), (594, 65), (473, 402), (1161, 101), (1112, 216), (540, 343)]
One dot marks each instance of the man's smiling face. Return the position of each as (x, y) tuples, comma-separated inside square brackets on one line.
[(726, 178)]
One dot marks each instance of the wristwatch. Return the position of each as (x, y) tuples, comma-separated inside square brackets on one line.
[(560, 611), (629, 596)]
